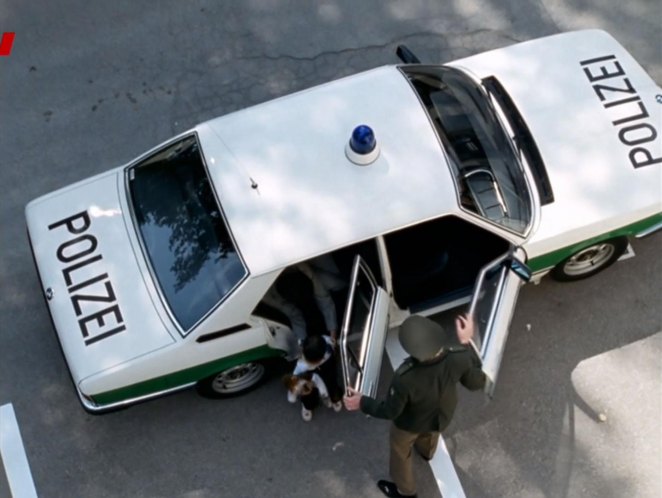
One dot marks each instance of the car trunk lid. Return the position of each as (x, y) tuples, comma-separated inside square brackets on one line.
[(98, 292)]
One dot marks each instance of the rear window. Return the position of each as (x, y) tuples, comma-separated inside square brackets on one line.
[(488, 174), (183, 232)]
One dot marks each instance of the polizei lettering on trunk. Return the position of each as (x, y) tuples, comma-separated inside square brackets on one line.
[(615, 91), (93, 298)]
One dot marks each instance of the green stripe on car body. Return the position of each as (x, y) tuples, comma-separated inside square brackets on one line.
[(553, 258), (184, 377)]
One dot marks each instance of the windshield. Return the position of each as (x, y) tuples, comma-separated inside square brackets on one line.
[(183, 232), (487, 172)]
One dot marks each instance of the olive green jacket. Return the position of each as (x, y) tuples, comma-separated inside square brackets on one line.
[(422, 396)]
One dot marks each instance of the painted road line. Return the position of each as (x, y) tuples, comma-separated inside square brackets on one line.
[(441, 464), (13, 455), (4, 484)]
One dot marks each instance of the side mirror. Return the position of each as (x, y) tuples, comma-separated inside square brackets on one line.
[(520, 268), (406, 55)]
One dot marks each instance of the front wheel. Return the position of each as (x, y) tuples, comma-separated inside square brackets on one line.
[(590, 260), (233, 381)]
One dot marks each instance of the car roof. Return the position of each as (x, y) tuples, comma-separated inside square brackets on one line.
[(287, 188)]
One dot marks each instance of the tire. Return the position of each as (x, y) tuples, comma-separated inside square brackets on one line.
[(234, 381), (590, 260)]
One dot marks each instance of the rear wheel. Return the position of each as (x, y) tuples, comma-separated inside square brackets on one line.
[(590, 260), (233, 381)]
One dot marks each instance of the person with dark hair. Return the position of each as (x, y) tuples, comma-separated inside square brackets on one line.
[(422, 397), (318, 359)]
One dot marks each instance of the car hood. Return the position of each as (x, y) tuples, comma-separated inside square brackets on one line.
[(96, 287), (595, 116)]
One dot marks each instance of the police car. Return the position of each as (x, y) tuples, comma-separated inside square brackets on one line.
[(427, 186)]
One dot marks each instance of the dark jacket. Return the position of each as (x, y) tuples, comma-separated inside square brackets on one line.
[(422, 396)]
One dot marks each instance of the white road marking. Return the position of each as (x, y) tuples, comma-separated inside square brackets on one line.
[(13, 455), (629, 253), (441, 464)]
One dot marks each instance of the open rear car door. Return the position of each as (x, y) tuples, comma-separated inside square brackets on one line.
[(492, 306), (363, 330)]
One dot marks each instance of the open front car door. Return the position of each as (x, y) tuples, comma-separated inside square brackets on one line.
[(492, 307), (363, 330)]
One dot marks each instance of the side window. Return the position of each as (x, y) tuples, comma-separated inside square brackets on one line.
[(438, 261), (364, 329), (183, 231)]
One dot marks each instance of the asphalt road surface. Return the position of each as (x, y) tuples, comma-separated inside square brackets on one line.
[(90, 85)]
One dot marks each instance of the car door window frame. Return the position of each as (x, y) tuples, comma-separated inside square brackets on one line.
[(512, 271), (371, 349)]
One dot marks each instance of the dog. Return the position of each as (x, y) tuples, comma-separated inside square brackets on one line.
[(310, 389), (297, 386)]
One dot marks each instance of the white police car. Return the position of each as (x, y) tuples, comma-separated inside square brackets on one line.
[(546, 152)]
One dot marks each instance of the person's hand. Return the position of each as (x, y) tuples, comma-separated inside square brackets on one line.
[(352, 399), (464, 327)]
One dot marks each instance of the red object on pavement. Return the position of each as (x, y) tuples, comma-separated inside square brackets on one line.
[(6, 43)]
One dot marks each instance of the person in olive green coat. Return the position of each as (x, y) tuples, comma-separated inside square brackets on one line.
[(422, 397)]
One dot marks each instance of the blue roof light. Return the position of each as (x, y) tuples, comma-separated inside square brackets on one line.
[(363, 140), (362, 148)]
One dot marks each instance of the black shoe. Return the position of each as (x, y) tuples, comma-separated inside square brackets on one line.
[(423, 456), (391, 490)]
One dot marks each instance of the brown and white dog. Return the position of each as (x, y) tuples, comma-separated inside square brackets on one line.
[(298, 386), (310, 389)]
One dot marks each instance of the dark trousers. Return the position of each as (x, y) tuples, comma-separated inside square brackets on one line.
[(311, 400), (401, 443), (328, 371)]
